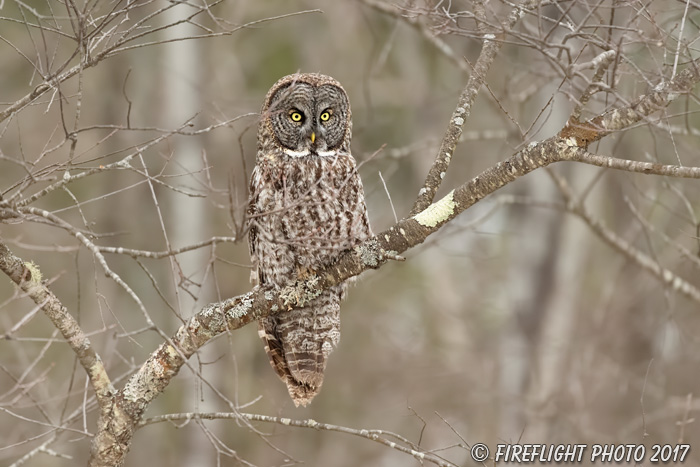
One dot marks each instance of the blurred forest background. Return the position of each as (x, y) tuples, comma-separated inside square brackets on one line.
[(514, 322)]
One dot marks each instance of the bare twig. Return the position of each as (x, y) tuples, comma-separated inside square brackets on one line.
[(666, 276), (378, 436)]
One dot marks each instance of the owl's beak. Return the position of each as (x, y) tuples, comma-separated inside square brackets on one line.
[(313, 137)]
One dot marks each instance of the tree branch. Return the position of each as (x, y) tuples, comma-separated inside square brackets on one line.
[(621, 118), (636, 166), (28, 277)]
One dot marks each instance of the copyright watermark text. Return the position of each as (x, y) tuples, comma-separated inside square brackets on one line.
[(577, 453)]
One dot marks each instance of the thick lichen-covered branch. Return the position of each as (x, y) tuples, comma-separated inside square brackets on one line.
[(27, 276)]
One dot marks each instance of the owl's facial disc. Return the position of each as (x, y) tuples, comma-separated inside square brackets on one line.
[(331, 117), (309, 120)]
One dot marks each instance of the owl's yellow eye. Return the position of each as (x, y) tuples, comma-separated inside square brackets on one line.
[(325, 116), (295, 116)]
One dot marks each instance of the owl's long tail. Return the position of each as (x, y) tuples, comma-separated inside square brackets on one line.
[(298, 343)]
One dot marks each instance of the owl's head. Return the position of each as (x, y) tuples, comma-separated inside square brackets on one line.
[(308, 114)]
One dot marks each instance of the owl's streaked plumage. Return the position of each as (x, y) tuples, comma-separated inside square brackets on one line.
[(307, 205)]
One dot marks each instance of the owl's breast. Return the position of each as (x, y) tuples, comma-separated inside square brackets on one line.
[(307, 211)]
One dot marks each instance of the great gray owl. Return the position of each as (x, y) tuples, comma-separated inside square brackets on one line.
[(307, 205)]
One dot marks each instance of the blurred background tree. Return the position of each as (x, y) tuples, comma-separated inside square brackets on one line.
[(517, 321)]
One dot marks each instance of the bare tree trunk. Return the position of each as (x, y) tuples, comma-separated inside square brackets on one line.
[(186, 215), (550, 352)]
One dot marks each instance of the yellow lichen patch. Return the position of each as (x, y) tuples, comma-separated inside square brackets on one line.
[(34, 271), (438, 212), (172, 351)]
